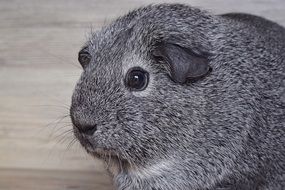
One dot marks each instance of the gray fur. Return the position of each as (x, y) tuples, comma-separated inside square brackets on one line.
[(225, 131)]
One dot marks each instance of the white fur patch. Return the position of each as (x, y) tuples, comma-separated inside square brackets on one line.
[(153, 170)]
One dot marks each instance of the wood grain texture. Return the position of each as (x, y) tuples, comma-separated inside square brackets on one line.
[(39, 41), (17, 179)]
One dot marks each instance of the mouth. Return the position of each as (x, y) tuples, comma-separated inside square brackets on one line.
[(94, 150), (113, 162)]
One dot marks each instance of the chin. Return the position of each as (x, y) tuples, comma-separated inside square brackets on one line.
[(114, 163)]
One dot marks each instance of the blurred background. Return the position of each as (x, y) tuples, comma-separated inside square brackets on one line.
[(39, 42)]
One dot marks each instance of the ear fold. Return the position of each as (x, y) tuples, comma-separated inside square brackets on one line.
[(184, 64)]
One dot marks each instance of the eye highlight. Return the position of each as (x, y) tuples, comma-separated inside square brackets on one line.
[(136, 79), (84, 57)]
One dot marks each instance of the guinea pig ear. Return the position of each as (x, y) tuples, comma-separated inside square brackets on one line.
[(184, 64)]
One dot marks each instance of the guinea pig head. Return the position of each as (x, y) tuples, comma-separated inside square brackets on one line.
[(133, 105)]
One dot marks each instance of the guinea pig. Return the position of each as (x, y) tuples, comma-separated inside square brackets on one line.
[(174, 97)]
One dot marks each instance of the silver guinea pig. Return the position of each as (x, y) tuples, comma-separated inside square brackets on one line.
[(173, 97)]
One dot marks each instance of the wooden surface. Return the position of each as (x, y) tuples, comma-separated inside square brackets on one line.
[(39, 41), (49, 179)]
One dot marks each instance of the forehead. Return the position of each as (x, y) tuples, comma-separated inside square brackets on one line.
[(114, 46), (113, 35), (108, 46)]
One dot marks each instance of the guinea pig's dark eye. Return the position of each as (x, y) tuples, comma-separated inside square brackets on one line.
[(84, 57), (137, 79)]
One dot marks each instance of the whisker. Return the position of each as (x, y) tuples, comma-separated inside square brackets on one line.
[(63, 127), (63, 137), (72, 142), (53, 126), (64, 133), (120, 163), (109, 161), (57, 121), (51, 105)]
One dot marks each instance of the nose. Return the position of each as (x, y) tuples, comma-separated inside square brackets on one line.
[(86, 129), (83, 127)]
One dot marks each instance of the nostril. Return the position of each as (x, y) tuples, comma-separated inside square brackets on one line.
[(87, 129), (80, 125)]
